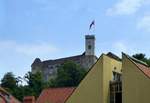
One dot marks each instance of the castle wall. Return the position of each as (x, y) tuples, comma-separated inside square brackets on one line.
[(86, 60)]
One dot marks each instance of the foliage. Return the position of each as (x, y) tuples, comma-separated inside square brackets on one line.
[(35, 83), (11, 84), (69, 74), (142, 57)]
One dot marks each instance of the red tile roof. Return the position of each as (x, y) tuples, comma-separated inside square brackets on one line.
[(29, 99), (144, 69), (142, 66), (3, 93), (14, 100), (55, 95)]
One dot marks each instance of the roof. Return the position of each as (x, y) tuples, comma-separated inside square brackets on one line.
[(36, 61), (3, 92), (113, 56), (143, 67), (61, 60), (55, 95), (29, 99)]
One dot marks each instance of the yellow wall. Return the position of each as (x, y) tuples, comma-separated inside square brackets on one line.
[(94, 88), (89, 90), (136, 86), (108, 68)]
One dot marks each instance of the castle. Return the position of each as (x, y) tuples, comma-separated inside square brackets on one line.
[(85, 60)]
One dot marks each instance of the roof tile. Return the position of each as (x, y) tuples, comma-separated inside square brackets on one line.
[(144, 69), (55, 95)]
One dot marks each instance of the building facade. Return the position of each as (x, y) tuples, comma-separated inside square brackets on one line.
[(85, 60), (110, 80), (135, 81), (95, 87), (114, 80)]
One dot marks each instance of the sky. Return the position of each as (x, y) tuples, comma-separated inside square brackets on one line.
[(50, 29)]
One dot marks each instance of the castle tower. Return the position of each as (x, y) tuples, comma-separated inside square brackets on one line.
[(89, 45)]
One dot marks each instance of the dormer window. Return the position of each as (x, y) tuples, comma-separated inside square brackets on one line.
[(116, 76)]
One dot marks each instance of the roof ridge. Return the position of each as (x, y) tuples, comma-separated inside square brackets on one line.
[(136, 60), (113, 56), (63, 58), (137, 65)]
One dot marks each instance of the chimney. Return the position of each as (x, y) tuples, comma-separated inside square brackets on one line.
[(29, 99)]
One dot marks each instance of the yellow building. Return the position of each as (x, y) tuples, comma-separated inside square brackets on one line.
[(136, 81), (112, 80), (95, 87)]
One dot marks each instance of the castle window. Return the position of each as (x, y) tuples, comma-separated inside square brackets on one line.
[(51, 71), (57, 66), (89, 46), (89, 60), (51, 67)]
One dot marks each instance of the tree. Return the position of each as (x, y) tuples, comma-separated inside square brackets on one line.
[(69, 74), (9, 82), (35, 83), (142, 57)]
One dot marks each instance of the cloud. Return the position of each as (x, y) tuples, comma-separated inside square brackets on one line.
[(126, 7), (17, 57), (28, 49), (144, 23), (119, 47)]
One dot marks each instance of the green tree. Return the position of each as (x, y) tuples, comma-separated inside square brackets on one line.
[(9, 82), (35, 83), (69, 74), (142, 57)]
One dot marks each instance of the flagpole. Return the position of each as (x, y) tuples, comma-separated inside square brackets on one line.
[(94, 28)]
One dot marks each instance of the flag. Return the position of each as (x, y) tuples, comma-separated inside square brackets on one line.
[(92, 24)]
